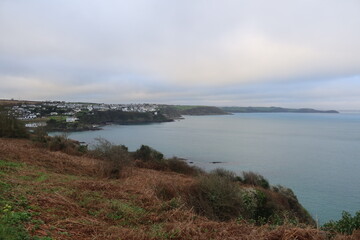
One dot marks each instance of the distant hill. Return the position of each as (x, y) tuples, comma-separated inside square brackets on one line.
[(176, 111), (9, 102), (203, 110), (273, 110)]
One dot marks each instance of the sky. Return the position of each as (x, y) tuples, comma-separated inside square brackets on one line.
[(299, 53)]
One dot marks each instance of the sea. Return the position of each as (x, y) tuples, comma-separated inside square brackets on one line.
[(316, 155)]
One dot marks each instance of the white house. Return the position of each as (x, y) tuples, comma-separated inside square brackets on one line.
[(71, 119)]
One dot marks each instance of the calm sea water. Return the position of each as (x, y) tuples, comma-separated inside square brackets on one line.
[(316, 155)]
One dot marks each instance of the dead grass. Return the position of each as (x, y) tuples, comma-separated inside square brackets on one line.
[(25, 151), (73, 202)]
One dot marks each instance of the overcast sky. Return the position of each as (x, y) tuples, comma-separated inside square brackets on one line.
[(298, 53)]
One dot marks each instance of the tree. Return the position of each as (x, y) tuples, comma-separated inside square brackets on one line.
[(11, 127)]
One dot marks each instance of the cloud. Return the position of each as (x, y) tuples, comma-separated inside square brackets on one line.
[(177, 51)]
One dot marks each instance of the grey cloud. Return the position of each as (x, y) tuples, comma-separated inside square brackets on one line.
[(178, 51)]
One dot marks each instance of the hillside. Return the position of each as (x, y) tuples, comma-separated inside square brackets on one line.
[(54, 195), (175, 111), (203, 110)]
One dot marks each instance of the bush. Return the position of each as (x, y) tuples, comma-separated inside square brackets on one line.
[(57, 143), (284, 199), (148, 157), (215, 197), (221, 172), (180, 166), (115, 157), (346, 225), (146, 153), (11, 127), (255, 179), (40, 136), (167, 191), (255, 203)]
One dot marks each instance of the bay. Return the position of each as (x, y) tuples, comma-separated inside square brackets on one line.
[(316, 155)]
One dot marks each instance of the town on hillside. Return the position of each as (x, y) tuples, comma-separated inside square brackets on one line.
[(37, 113)]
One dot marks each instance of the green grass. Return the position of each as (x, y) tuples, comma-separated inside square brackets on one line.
[(128, 213), (58, 118), (157, 231), (6, 166), (14, 208), (90, 198), (39, 177)]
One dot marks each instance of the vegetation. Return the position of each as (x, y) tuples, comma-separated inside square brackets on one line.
[(255, 179), (147, 154), (120, 117), (222, 195), (53, 195), (115, 157), (181, 166), (150, 158), (203, 110), (15, 211), (346, 225), (86, 120), (11, 127), (175, 111), (60, 124), (215, 197), (57, 143)]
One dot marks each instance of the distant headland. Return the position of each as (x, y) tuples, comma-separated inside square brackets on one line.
[(274, 110)]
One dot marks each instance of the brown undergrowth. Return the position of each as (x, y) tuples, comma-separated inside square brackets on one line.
[(68, 199)]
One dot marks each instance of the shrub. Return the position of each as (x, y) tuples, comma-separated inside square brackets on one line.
[(166, 191), (64, 144), (215, 197), (253, 200), (221, 172), (180, 166), (146, 153), (57, 143), (39, 135), (346, 225), (115, 157), (148, 157), (255, 179), (219, 196), (11, 127), (284, 199)]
